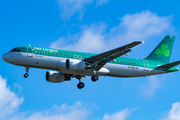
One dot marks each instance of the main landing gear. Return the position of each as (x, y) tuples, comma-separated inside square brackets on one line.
[(27, 70), (94, 78), (80, 85)]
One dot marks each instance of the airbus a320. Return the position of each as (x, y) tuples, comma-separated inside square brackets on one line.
[(65, 65)]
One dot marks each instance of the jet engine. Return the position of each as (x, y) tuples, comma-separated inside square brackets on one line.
[(56, 77), (74, 64)]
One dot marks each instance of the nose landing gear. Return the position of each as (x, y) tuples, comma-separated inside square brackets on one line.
[(27, 70), (26, 75)]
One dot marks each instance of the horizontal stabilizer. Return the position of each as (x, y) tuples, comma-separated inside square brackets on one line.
[(169, 65)]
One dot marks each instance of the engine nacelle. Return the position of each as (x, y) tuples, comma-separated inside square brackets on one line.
[(56, 77), (74, 64), (61, 64)]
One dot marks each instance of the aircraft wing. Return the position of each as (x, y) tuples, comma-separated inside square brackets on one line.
[(98, 61)]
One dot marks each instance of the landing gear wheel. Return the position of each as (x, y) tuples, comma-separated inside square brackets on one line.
[(80, 85), (27, 70), (26, 75), (94, 78)]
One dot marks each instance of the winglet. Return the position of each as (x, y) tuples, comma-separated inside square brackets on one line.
[(143, 41)]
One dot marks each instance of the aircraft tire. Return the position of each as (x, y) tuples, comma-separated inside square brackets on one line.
[(80, 85), (94, 78), (26, 75)]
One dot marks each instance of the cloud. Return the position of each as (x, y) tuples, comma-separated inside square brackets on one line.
[(10, 103), (139, 26), (63, 112), (121, 115), (96, 37), (8, 99), (174, 112), (151, 86), (91, 37), (78, 111), (100, 2), (71, 7)]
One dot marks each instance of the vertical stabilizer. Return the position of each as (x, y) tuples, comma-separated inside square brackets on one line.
[(163, 51)]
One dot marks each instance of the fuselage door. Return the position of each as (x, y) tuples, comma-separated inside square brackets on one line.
[(29, 52), (146, 65)]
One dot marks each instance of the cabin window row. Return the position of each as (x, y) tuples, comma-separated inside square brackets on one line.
[(57, 54), (132, 63)]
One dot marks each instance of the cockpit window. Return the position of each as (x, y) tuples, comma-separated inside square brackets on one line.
[(12, 50), (15, 50)]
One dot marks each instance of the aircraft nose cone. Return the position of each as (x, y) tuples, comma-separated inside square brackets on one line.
[(4, 57)]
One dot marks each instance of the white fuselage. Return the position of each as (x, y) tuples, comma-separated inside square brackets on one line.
[(50, 62)]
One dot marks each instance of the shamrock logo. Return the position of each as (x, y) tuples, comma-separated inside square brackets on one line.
[(163, 51)]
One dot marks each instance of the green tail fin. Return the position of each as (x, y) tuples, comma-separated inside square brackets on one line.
[(163, 51)]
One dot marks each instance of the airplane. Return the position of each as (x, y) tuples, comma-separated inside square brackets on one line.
[(65, 64)]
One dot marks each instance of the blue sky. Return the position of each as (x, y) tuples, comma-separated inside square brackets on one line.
[(90, 26)]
